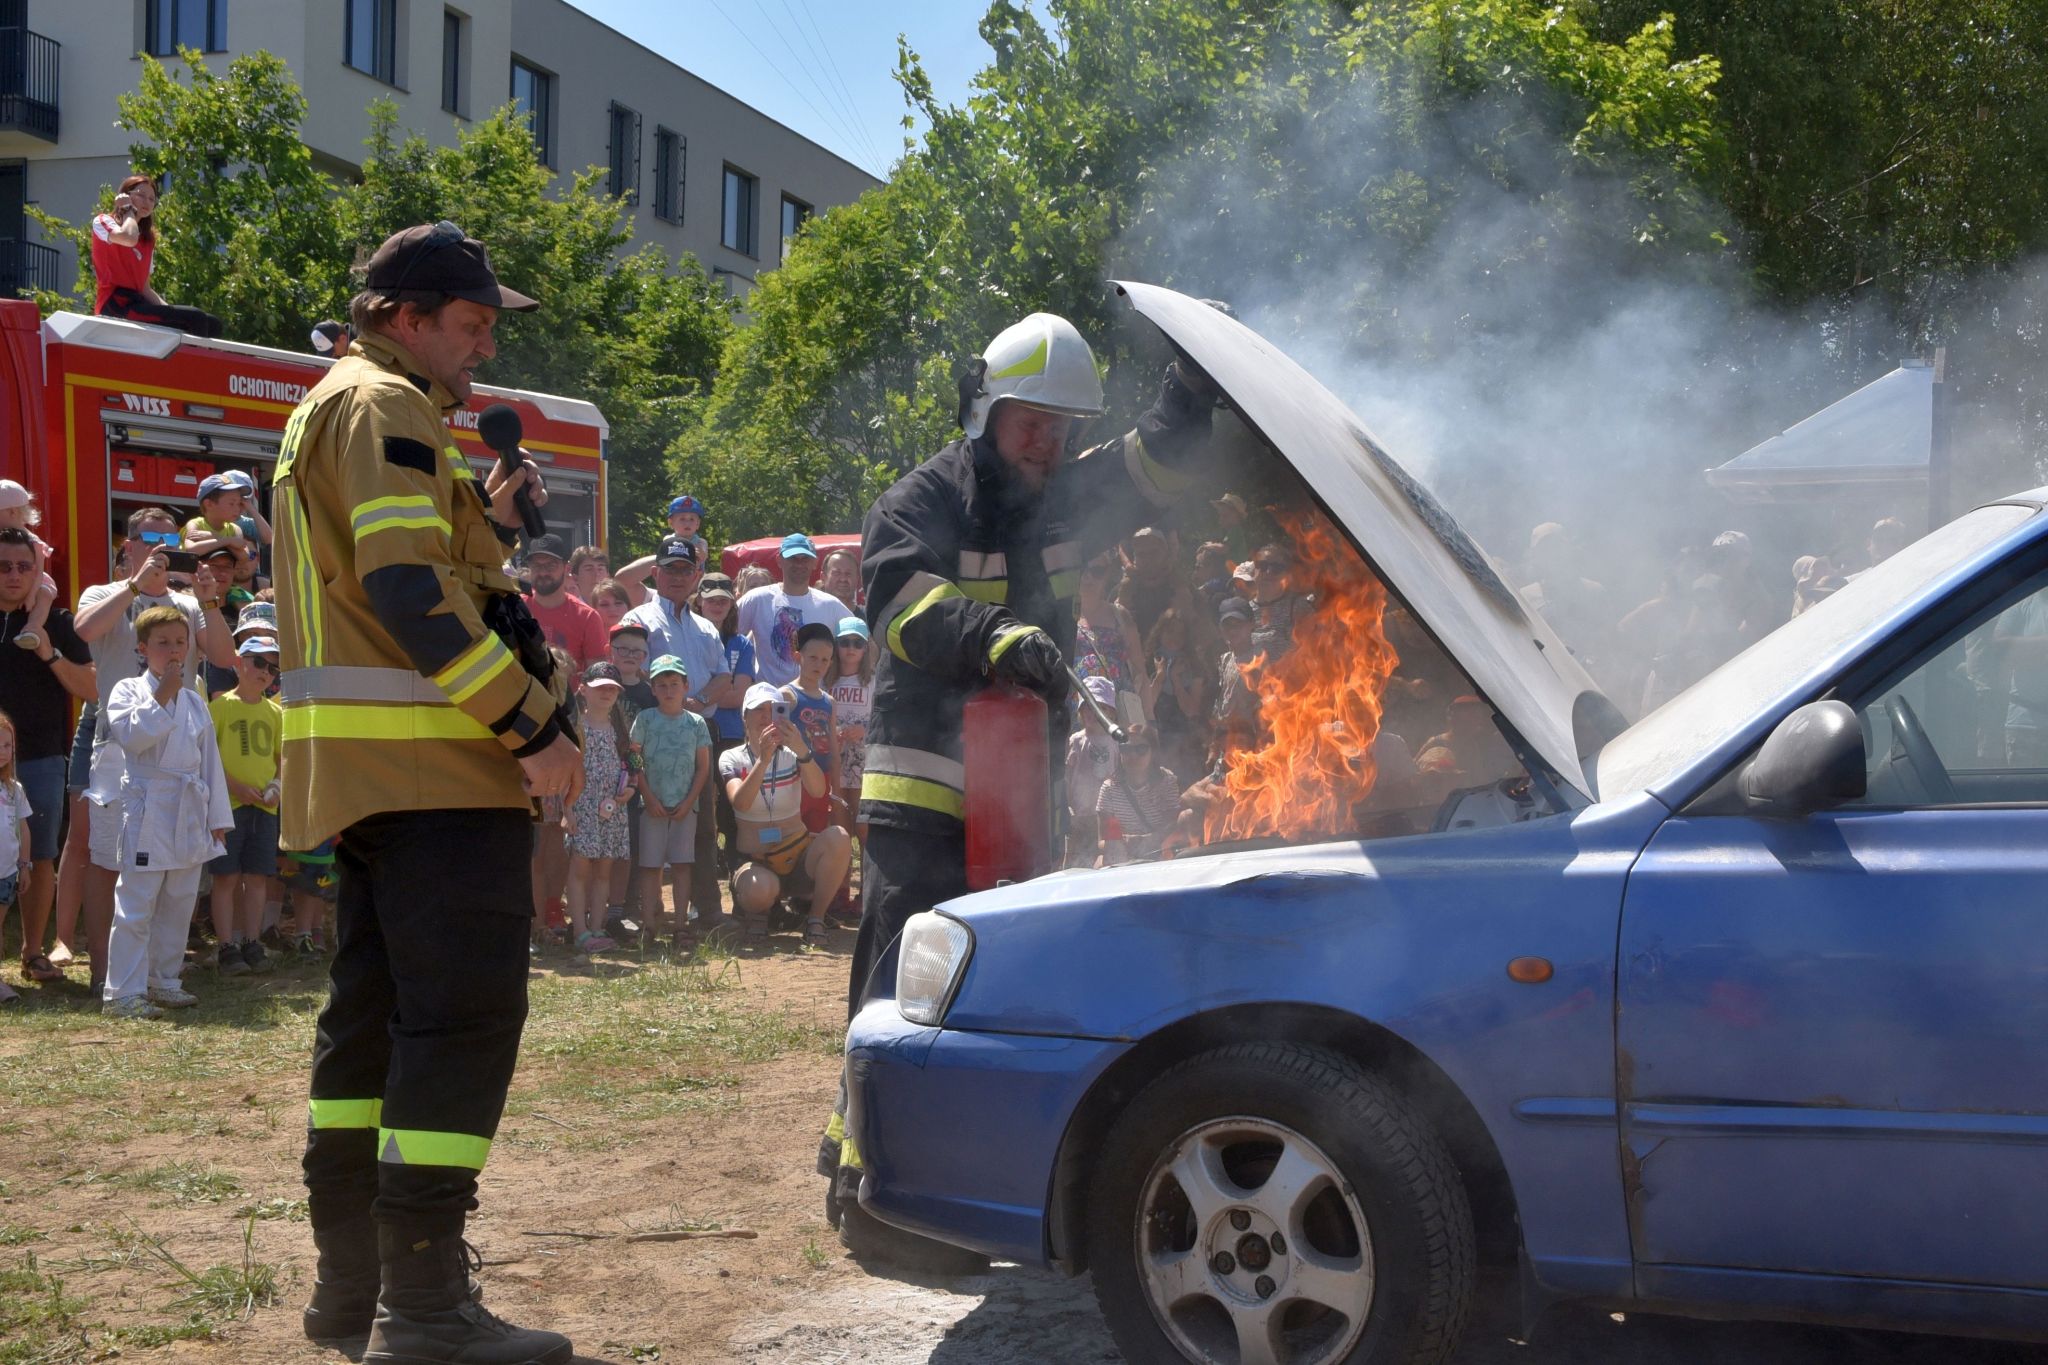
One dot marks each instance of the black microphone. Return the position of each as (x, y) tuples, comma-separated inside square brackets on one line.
[(502, 431)]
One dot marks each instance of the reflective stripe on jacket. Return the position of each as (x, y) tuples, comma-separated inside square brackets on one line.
[(396, 696), (959, 562)]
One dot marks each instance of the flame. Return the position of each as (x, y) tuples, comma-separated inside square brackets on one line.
[(1319, 703)]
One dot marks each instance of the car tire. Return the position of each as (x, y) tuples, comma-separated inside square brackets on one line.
[(1379, 1262)]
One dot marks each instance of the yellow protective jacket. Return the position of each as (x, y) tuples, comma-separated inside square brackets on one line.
[(396, 695)]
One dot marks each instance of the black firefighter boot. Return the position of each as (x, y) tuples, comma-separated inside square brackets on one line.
[(427, 1314), (345, 1281)]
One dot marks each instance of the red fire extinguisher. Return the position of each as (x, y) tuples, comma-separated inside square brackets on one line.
[(1008, 786)]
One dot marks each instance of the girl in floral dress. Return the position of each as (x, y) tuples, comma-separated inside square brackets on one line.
[(596, 825)]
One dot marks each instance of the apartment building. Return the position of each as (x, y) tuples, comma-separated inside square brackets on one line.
[(706, 173)]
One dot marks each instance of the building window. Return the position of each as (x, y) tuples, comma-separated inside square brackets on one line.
[(742, 196), (533, 90), (370, 38), (171, 24), (671, 150), (623, 147), (455, 63), (795, 213)]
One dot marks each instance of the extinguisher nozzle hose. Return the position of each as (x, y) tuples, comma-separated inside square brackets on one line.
[(1116, 732)]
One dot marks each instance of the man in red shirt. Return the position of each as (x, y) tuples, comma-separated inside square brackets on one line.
[(574, 627)]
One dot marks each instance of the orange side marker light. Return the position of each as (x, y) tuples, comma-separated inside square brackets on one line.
[(1530, 971)]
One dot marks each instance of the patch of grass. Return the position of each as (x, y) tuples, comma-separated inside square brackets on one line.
[(39, 1322), (224, 1291), (672, 1219), (127, 1245), (814, 1255), (150, 1335), (186, 1182), (275, 1210), (18, 1234)]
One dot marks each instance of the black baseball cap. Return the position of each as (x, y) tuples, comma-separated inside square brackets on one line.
[(441, 258), (674, 548), (549, 544)]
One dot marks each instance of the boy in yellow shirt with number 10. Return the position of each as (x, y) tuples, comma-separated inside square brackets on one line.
[(248, 725)]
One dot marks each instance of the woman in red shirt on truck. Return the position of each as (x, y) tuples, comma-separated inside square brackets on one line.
[(123, 250)]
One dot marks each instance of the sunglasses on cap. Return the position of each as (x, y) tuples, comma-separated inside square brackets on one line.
[(441, 234)]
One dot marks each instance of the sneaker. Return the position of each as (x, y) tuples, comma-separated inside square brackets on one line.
[(594, 943), (228, 960), (255, 959), (28, 639), (131, 1007), (303, 945), (172, 997)]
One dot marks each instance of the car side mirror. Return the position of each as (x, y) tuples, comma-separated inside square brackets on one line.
[(1812, 761)]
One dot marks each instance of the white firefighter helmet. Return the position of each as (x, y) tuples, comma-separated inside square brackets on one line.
[(1042, 362)]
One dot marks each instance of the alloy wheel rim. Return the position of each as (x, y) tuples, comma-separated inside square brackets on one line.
[(1253, 1249)]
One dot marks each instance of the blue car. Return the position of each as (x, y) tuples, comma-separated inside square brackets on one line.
[(1739, 1010)]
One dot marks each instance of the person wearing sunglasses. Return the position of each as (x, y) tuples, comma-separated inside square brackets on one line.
[(247, 724), (418, 720), (36, 688)]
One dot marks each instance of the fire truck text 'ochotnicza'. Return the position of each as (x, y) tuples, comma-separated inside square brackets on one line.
[(99, 417)]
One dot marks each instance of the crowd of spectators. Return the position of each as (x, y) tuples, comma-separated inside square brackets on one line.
[(724, 719), (1173, 637), (722, 724)]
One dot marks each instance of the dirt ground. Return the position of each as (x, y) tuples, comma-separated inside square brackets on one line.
[(651, 1097)]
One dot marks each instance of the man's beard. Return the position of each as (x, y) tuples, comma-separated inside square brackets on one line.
[(546, 588)]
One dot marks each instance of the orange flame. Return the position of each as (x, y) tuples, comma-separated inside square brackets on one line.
[(1319, 704)]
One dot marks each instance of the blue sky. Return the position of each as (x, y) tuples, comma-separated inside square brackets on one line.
[(824, 67)]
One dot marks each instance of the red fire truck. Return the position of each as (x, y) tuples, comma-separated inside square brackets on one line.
[(99, 416)]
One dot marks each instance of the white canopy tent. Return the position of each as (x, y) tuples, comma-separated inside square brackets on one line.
[(1880, 438)]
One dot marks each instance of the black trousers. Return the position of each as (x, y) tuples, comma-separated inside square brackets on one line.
[(426, 1000), (903, 873), (136, 307)]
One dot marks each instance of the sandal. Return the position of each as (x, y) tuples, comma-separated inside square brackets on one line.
[(816, 934), (38, 967)]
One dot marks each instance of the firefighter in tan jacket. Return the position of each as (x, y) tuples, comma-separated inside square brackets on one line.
[(415, 733)]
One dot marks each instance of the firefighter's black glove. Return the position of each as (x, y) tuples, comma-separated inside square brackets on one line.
[(1027, 657)]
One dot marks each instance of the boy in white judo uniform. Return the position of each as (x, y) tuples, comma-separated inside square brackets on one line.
[(174, 814)]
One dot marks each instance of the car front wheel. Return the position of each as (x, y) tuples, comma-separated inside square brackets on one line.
[(1277, 1204)]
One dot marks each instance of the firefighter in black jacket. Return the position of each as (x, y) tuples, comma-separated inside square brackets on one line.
[(970, 563)]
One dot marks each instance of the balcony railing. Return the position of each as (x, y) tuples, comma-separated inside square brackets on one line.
[(27, 265), (28, 82)]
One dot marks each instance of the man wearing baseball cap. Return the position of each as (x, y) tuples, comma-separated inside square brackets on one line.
[(413, 730), (571, 624), (771, 616)]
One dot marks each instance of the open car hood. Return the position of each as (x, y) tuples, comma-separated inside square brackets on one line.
[(1512, 655)]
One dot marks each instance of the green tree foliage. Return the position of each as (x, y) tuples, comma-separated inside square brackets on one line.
[(1160, 138), (638, 334), (1888, 173)]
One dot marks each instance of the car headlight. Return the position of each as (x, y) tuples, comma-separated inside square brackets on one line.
[(929, 965)]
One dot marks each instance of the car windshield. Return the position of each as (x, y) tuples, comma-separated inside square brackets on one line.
[(1794, 656)]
